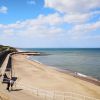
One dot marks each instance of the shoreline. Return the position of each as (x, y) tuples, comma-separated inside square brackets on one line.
[(72, 73), (79, 75), (47, 78)]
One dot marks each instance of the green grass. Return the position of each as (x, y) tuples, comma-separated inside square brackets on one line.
[(11, 49)]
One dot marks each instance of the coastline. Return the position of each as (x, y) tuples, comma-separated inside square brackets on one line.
[(44, 77), (83, 61), (74, 74)]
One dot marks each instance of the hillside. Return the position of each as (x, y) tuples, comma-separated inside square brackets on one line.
[(11, 49)]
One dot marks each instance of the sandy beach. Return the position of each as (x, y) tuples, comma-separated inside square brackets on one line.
[(37, 75), (35, 80)]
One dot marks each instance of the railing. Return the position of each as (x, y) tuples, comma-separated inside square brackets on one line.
[(54, 95)]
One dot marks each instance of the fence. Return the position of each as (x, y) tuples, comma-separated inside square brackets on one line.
[(51, 95), (54, 95)]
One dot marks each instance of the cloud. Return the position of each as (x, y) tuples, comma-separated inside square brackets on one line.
[(85, 31), (75, 11), (3, 9), (42, 26), (41, 31), (32, 2), (73, 6), (75, 22), (52, 26), (84, 28), (78, 18)]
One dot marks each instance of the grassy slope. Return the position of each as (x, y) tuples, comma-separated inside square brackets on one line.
[(11, 49)]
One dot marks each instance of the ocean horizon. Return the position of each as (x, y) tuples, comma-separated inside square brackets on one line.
[(82, 60)]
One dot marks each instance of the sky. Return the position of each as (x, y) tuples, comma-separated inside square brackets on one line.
[(50, 23)]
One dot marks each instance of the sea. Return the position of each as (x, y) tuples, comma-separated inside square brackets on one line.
[(82, 60)]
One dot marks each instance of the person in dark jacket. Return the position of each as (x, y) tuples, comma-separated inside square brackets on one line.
[(8, 84)]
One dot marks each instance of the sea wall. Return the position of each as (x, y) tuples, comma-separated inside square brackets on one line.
[(3, 56)]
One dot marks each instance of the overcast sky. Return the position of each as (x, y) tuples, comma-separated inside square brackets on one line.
[(50, 23)]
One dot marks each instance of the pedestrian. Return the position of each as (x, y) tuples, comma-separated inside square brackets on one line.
[(11, 83), (8, 84)]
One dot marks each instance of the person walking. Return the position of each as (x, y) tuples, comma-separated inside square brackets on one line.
[(8, 84), (11, 83)]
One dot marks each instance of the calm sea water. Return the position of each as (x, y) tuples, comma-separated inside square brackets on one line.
[(86, 61)]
